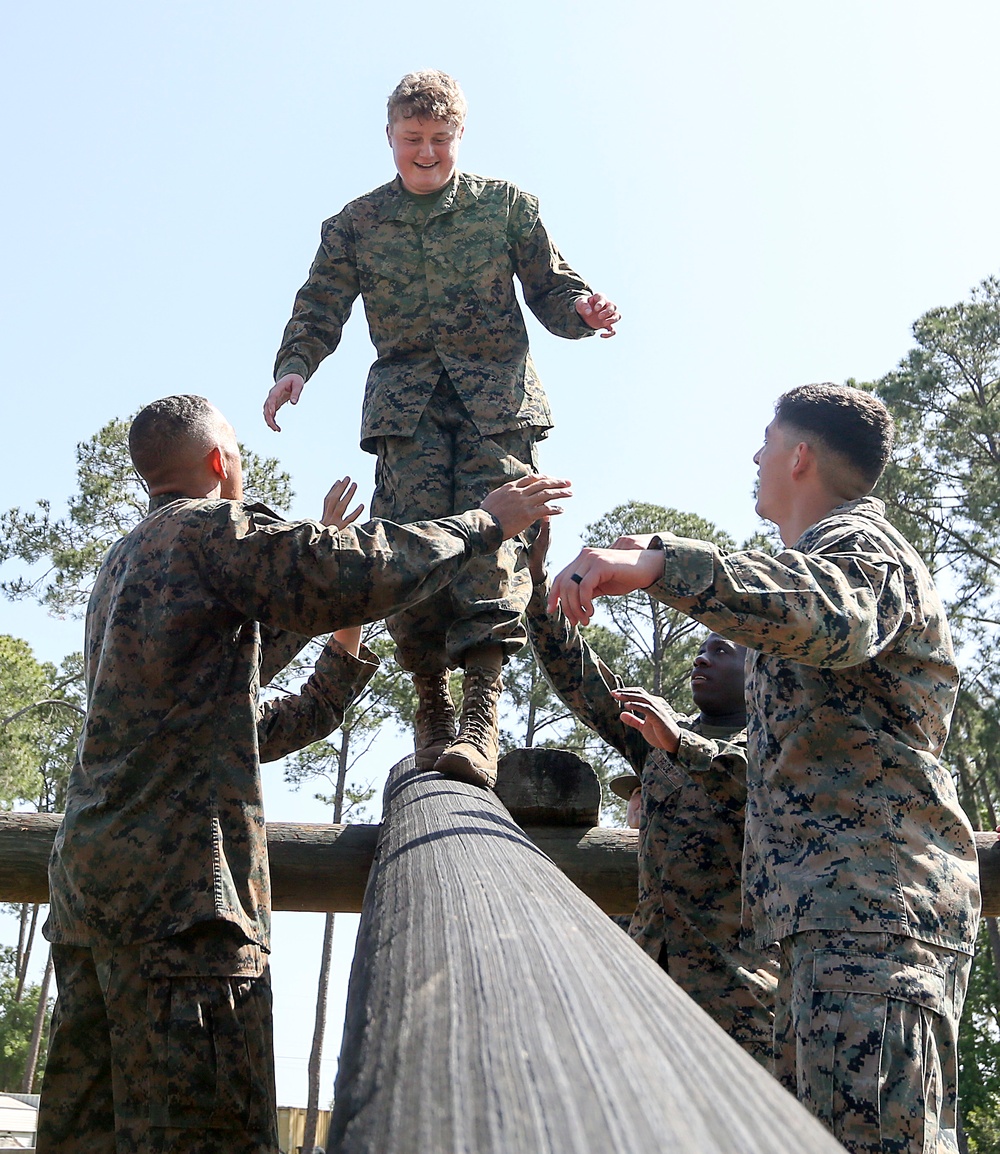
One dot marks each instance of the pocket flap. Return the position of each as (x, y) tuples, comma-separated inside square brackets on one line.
[(869, 974)]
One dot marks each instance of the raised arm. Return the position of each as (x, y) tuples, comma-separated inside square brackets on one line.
[(837, 606), (312, 579), (286, 724)]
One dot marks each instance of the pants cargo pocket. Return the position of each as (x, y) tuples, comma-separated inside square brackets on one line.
[(873, 1037), (202, 1073)]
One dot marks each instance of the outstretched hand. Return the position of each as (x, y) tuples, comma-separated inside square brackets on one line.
[(335, 505), (521, 502), (651, 715), (602, 573), (600, 313), (289, 388)]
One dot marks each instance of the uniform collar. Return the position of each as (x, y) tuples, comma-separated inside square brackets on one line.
[(396, 205), (163, 499), (863, 507)]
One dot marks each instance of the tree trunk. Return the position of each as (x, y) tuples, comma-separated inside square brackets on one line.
[(529, 734), (319, 1034), (24, 955), (22, 931), (657, 613), (323, 985), (36, 1033)]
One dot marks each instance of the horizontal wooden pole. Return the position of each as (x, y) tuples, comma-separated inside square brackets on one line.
[(493, 1008), (324, 868)]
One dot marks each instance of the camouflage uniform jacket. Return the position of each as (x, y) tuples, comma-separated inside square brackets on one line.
[(852, 821), (691, 837), (164, 823), (439, 295)]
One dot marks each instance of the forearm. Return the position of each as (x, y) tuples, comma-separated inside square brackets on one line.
[(835, 610), (720, 767), (289, 723), (310, 579), (551, 287)]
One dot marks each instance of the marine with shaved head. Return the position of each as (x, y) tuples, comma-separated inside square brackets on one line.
[(160, 896)]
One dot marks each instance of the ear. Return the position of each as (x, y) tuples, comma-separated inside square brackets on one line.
[(388, 134), (217, 464), (461, 131), (803, 459)]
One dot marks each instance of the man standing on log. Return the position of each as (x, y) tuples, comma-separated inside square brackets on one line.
[(694, 788), (858, 858), (159, 889), (453, 406)]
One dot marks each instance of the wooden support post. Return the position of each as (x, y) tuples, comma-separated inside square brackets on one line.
[(494, 1008), (324, 868)]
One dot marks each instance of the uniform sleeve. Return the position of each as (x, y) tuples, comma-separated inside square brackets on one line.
[(551, 287), (310, 579), (278, 649), (580, 679), (323, 303), (286, 724), (719, 767), (836, 607)]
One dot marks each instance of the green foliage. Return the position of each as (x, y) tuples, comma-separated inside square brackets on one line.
[(41, 711), (66, 552), (943, 486), (979, 1051), (17, 1019)]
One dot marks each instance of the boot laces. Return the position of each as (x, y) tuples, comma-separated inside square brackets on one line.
[(435, 717)]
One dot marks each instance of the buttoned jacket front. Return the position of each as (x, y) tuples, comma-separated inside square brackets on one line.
[(438, 290)]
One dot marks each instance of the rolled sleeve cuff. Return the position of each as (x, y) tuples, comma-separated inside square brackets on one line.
[(292, 364), (340, 674), (695, 753), (487, 532), (688, 567)]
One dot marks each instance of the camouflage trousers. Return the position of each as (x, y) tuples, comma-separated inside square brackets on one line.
[(142, 1062), (448, 467), (739, 998), (866, 1035)]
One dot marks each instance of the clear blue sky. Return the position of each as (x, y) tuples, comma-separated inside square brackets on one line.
[(772, 193)]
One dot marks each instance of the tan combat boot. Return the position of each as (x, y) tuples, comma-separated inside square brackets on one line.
[(472, 757), (434, 721)]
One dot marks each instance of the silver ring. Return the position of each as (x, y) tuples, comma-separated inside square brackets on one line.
[(576, 577)]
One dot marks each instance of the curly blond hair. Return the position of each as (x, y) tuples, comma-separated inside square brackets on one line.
[(429, 95)]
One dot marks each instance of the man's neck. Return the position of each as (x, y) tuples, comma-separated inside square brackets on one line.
[(735, 721), (807, 512)]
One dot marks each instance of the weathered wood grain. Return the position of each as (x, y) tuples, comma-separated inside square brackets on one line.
[(325, 867), (494, 1009)]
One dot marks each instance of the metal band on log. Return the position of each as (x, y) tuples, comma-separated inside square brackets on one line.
[(324, 868), (494, 1008)]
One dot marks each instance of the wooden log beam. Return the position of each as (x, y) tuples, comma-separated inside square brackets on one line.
[(324, 868), (493, 1007)]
